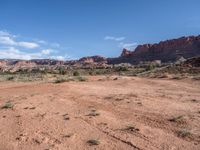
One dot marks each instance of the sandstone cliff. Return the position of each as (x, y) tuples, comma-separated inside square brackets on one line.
[(166, 51)]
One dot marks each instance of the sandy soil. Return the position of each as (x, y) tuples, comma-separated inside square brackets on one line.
[(128, 113)]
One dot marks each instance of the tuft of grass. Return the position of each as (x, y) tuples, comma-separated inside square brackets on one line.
[(93, 113), (82, 79), (60, 80), (131, 128), (10, 78), (32, 107), (66, 118), (196, 77), (163, 76), (93, 142), (7, 105), (68, 79), (76, 73), (68, 135), (194, 100), (177, 77), (183, 133), (176, 119)]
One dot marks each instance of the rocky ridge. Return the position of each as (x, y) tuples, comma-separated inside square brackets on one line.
[(166, 51)]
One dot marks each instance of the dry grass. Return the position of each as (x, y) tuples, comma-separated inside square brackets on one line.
[(130, 128), (93, 142), (7, 105), (60, 80), (93, 113), (183, 133), (176, 119), (68, 79)]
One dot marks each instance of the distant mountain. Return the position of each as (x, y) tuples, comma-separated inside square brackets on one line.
[(166, 51)]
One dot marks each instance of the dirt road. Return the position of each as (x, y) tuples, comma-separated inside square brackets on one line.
[(127, 113)]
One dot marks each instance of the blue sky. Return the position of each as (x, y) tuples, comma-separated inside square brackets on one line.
[(70, 29)]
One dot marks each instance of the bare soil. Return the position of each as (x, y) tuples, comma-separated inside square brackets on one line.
[(102, 113)]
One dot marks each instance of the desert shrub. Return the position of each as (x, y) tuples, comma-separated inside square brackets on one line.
[(196, 77), (98, 72), (131, 128), (7, 105), (76, 78), (90, 73), (121, 68), (183, 133), (93, 142), (60, 80), (76, 73), (62, 71), (176, 119), (82, 79), (163, 76), (10, 78), (149, 67), (177, 77), (93, 114), (68, 135)]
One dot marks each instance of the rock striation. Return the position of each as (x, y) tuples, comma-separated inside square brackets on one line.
[(166, 51)]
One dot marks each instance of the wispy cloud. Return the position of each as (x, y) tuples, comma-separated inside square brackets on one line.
[(13, 53), (56, 45), (114, 38), (42, 42), (128, 45), (65, 57), (47, 51), (8, 39), (11, 47), (29, 45)]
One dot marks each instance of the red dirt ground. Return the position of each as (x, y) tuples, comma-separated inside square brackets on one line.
[(128, 113)]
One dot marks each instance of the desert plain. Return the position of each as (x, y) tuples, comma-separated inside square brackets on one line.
[(102, 113)]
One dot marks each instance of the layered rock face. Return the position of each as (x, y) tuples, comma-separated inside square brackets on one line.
[(126, 53), (93, 59), (165, 51)]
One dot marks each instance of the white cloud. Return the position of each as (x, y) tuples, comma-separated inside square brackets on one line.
[(13, 53), (4, 33), (114, 38), (47, 51), (58, 57), (29, 45), (8, 39), (42, 42), (11, 47), (128, 45)]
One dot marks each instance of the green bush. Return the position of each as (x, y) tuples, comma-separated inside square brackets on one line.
[(10, 78), (62, 71), (93, 142), (121, 68), (76, 73), (150, 67), (7, 105)]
